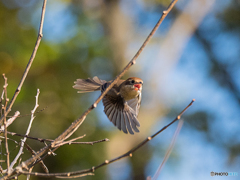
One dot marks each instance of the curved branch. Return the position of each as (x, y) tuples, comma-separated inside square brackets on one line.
[(40, 35), (106, 162), (74, 126)]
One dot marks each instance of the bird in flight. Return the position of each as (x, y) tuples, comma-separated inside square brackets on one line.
[(121, 103)]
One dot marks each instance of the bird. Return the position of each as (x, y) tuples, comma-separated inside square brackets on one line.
[(121, 103)]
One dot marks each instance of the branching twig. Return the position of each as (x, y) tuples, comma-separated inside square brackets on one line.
[(66, 134), (27, 132), (51, 140), (29, 137), (44, 167), (9, 140), (74, 126), (106, 162), (129, 153), (5, 121), (40, 35), (30, 113), (88, 143), (10, 120), (71, 141)]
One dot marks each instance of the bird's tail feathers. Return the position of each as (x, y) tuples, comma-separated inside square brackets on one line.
[(88, 85)]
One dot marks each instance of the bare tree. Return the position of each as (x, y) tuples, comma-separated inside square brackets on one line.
[(25, 167)]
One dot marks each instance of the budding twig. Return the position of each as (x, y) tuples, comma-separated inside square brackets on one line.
[(74, 126), (106, 162)]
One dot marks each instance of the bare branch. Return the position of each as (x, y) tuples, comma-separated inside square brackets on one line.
[(106, 162), (29, 137), (74, 126), (180, 124), (30, 113), (81, 175), (27, 132), (51, 140), (66, 134), (70, 141), (129, 153), (10, 120), (44, 167), (56, 175), (88, 143), (5, 121), (28, 176), (40, 35)]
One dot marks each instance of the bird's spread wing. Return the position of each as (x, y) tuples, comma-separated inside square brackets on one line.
[(89, 85), (121, 114)]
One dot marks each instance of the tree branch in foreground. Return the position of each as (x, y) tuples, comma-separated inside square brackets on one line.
[(5, 120), (106, 162), (40, 35), (28, 131), (180, 124), (74, 126)]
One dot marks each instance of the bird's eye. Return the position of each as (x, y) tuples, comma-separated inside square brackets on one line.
[(132, 81), (140, 82)]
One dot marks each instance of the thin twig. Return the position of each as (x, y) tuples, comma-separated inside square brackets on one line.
[(106, 162), (91, 143), (10, 120), (2, 98), (40, 35), (74, 126), (44, 167), (180, 124), (10, 140), (27, 132), (52, 151), (29, 137), (5, 121), (88, 143), (30, 113), (81, 175), (71, 141), (129, 153), (56, 175), (30, 170), (51, 140)]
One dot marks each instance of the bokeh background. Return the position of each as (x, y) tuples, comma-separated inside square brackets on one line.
[(194, 54)]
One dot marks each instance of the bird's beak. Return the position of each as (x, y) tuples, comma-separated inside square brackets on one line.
[(137, 87)]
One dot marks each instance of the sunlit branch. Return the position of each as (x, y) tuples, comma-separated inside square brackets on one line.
[(40, 35), (5, 121), (74, 126), (27, 132), (106, 162)]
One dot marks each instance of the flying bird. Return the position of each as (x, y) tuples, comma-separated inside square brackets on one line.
[(121, 103)]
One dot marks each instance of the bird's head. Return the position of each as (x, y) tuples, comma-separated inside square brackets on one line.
[(131, 88), (135, 83)]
